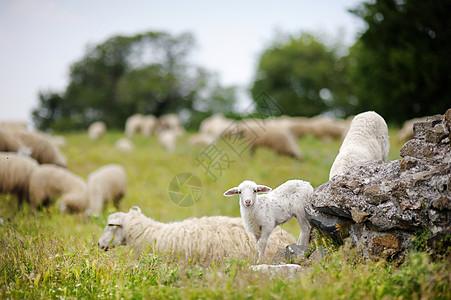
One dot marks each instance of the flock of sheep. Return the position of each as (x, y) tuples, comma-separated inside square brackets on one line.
[(32, 167)]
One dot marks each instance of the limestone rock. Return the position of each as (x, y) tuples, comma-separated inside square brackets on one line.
[(381, 205)]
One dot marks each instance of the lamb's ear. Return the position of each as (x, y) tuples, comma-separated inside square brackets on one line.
[(263, 189), (231, 192)]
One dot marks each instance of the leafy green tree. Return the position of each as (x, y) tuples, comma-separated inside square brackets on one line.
[(401, 62), (301, 75), (146, 73)]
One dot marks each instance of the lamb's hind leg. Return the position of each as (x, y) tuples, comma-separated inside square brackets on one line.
[(306, 228)]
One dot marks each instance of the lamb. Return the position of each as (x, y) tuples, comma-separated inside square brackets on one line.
[(133, 125), (96, 130), (169, 122), (148, 125), (15, 173), (8, 142), (280, 140), (47, 182), (168, 139), (216, 126), (201, 240), (261, 213), (367, 140), (106, 184)]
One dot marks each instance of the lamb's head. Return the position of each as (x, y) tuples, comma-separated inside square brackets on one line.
[(113, 234), (247, 190)]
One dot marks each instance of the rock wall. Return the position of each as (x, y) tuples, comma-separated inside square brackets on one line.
[(382, 205)]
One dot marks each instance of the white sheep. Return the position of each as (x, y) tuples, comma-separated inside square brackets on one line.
[(216, 126), (124, 145), (148, 125), (133, 125), (106, 184), (168, 139), (406, 131), (48, 182), (169, 122), (201, 139), (261, 213), (96, 130), (280, 140), (366, 140), (201, 240), (15, 173)]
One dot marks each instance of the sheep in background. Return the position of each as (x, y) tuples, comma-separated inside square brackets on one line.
[(262, 213), (8, 142), (148, 125), (216, 126), (367, 140), (201, 139), (42, 149), (280, 140), (13, 125), (133, 125), (106, 184), (168, 139), (124, 145), (97, 130), (406, 131), (169, 122), (201, 240), (47, 182), (15, 173)]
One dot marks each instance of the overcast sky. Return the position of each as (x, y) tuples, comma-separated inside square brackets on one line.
[(40, 39)]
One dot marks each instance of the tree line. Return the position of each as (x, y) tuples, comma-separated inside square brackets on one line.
[(399, 67)]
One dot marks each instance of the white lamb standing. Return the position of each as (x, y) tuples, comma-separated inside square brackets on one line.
[(201, 240), (261, 213), (366, 140), (106, 184), (96, 130)]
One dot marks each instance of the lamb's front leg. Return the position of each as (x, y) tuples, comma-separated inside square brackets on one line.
[(261, 244), (306, 228)]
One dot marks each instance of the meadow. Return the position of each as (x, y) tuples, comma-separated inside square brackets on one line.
[(47, 254)]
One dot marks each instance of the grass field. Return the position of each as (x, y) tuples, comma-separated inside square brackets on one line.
[(51, 255)]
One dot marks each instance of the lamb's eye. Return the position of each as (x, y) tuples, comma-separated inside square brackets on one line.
[(239, 192), (255, 191)]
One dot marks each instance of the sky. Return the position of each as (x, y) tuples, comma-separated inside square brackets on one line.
[(41, 39)]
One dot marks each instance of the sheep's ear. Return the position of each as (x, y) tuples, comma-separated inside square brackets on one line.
[(263, 189), (231, 192)]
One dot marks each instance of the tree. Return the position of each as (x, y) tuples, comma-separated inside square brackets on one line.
[(402, 66), (145, 73), (301, 75)]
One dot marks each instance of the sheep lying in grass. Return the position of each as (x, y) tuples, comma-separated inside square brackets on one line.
[(201, 240), (367, 140), (15, 173), (124, 145), (47, 182), (106, 184), (96, 130), (406, 131), (261, 213)]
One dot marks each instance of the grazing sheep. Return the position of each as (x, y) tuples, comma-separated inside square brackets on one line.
[(8, 142), (261, 213), (148, 125), (15, 172), (406, 131), (124, 145), (106, 184), (13, 125), (133, 125), (168, 139), (169, 122), (47, 182), (216, 126), (367, 140), (96, 130), (42, 149), (280, 140), (202, 139), (201, 240)]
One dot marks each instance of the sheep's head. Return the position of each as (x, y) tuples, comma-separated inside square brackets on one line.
[(113, 234), (247, 190)]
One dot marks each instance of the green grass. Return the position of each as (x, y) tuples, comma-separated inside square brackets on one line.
[(51, 255)]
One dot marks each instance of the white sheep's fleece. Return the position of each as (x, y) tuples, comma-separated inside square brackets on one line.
[(97, 130), (106, 184), (48, 182), (366, 140), (203, 240), (15, 173)]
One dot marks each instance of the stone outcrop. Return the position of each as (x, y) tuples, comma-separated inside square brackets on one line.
[(382, 205)]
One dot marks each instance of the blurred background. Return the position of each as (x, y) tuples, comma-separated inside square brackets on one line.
[(66, 64)]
